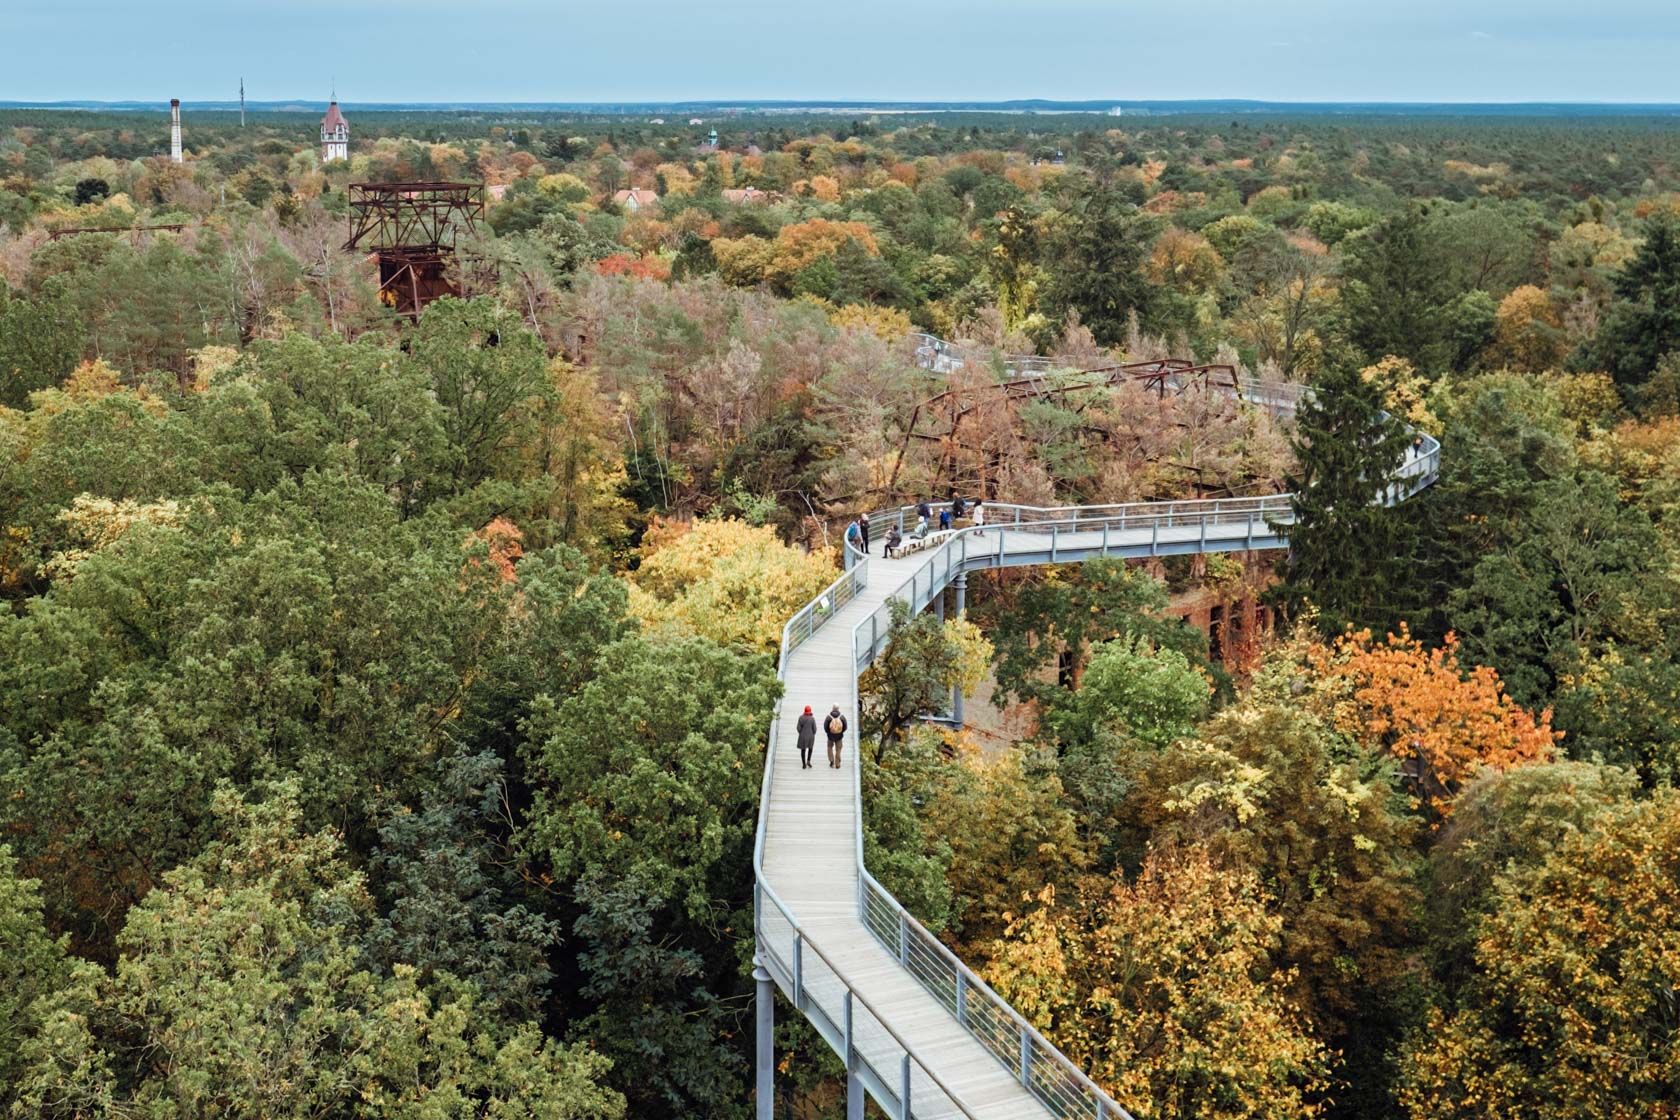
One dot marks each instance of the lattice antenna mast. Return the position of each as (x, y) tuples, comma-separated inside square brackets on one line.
[(242, 102)]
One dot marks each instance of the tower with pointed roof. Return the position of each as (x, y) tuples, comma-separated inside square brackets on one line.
[(335, 134)]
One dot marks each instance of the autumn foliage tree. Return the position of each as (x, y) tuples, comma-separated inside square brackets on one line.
[(1528, 332), (1573, 1009), (725, 580), (1161, 990), (802, 244), (1443, 721)]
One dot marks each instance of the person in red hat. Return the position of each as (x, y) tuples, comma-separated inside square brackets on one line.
[(807, 737)]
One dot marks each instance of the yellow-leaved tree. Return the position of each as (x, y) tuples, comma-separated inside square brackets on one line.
[(1571, 1010), (1160, 989), (725, 580)]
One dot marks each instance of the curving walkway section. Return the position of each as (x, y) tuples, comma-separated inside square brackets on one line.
[(919, 1031)]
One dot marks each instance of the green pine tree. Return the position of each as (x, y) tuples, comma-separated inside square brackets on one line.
[(1346, 547), (1644, 319)]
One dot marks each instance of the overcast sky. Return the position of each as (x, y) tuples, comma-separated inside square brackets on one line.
[(649, 50)]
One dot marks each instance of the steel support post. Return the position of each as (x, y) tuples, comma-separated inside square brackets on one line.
[(961, 585), (766, 996), (854, 1086)]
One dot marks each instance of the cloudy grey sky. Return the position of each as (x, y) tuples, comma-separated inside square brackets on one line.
[(636, 50)]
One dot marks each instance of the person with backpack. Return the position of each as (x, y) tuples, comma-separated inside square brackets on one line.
[(958, 506), (807, 737), (835, 728), (924, 511), (854, 535)]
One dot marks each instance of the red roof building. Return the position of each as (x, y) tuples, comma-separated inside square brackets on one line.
[(335, 135), (635, 198)]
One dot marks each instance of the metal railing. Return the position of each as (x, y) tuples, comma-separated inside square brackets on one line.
[(1062, 1087), (811, 617), (1041, 1068), (936, 354), (856, 1029), (897, 1075)]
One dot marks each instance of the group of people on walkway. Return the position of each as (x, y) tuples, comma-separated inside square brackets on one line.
[(857, 532), (834, 726)]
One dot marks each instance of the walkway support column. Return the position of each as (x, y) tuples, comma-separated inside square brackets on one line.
[(855, 1096), (961, 584), (766, 996)]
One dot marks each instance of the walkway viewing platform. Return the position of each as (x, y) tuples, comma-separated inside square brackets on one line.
[(918, 1030)]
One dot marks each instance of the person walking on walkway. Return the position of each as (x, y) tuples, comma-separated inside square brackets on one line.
[(807, 737), (854, 535), (958, 508), (978, 513), (924, 510), (835, 727), (863, 523)]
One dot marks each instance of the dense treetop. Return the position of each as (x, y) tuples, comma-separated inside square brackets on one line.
[(383, 703)]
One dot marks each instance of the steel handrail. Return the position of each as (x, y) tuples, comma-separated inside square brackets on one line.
[(857, 997), (972, 982), (1105, 1105), (858, 576)]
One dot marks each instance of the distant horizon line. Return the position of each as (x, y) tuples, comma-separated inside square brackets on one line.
[(1061, 105)]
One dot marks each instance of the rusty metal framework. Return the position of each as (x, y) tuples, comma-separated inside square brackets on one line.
[(939, 418), (411, 229), (73, 231)]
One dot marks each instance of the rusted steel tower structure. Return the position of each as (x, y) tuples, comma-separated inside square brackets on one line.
[(411, 229)]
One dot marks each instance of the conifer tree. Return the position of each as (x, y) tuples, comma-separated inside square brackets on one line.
[(1345, 546)]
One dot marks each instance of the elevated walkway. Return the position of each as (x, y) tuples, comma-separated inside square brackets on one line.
[(919, 1031)]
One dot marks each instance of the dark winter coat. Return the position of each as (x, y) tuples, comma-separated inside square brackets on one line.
[(807, 731), (835, 714)]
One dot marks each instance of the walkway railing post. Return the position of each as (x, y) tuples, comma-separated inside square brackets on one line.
[(903, 938), (1026, 1057), (962, 999), (765, 995), (848, 1030), (1105, 538), (854, 1084), (961, 586), (799, 970)]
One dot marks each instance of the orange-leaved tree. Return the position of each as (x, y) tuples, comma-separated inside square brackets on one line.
[(805, 243), (1443, 721)]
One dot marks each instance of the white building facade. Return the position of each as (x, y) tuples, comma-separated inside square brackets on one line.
[(335, 135)]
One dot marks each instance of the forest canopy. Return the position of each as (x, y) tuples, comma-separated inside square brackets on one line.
[(383, 699)]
